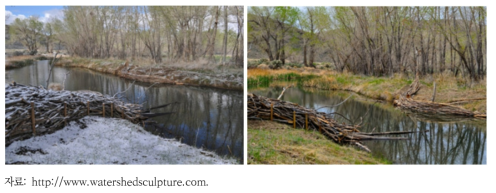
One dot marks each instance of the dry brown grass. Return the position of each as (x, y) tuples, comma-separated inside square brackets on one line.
[(55, 86), (448, 87), (19, 58)]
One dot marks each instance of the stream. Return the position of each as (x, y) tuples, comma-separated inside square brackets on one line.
[(207, 118), (440, 140)]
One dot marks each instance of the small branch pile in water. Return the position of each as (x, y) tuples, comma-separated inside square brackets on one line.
[(406, 101), (259, 107), (53, 109)]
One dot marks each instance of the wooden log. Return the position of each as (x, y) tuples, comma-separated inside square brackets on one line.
[(103, 110), (88, 107)]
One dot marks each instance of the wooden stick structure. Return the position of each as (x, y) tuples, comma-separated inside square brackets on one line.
[(291, 113), (407, 102), (54, 109)]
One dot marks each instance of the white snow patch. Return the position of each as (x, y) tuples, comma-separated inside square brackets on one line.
[(107, 141)]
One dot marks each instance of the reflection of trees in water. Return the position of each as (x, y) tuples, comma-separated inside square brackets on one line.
[(34, 75), (460, 142), (205, 117)]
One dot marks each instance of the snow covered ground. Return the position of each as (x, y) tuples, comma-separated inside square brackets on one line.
[(97, 140)]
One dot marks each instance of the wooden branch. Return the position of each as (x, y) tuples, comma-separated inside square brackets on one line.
[(284, 89)]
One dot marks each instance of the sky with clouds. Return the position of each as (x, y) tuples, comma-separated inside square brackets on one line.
[(45, 13)]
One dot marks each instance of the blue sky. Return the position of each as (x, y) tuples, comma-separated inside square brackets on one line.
[(43, 12)]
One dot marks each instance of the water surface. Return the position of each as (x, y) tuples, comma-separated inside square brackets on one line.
[(440, 140), (207, 118)]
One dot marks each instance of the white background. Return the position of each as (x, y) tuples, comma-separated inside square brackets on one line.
[(273, 178)]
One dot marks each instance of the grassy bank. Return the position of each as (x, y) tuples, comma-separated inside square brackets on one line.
[(218, 76), (449, 89), (21, 61), (275, 143)]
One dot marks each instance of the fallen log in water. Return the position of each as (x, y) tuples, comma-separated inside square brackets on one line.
[(32, 110), (260, 107)]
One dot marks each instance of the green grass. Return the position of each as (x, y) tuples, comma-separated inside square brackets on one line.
[(273, 143), (265, 80)]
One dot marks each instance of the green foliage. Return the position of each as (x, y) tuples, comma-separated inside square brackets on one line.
[(28, 32), (377, 81), (276, 64), (294, 65), (263, 61), (342, 80)]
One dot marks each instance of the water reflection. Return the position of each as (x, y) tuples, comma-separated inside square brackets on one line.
[(441, 140), (204, 117)]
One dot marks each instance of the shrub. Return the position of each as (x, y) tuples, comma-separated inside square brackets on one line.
[(276, 64), (263, 60), (18, 53), (294, 65), (252, 64)]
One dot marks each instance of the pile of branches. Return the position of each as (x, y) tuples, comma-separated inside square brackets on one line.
[(432, 107), (407, 102), (52, 110), (259, 107)]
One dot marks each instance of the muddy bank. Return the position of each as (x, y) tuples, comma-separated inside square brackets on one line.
[(222, 77)]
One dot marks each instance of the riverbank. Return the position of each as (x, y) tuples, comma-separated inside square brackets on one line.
[(449, 89), (217, 76), (274, 143), (21, 61), (96, 140)]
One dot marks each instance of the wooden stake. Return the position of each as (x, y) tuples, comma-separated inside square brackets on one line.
[(320, 127), (111, 109), (294, 119), (88, 107), (306, 121), (271, 111), (103, 111), (33, 118), (434, 94), (65, 113)]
